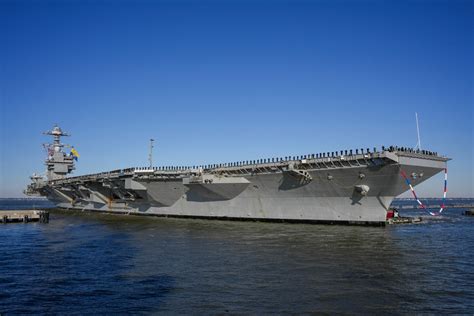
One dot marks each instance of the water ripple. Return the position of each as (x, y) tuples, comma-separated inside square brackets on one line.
[(106, 264)]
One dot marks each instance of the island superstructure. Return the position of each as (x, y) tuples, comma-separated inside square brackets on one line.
[(346, 186)]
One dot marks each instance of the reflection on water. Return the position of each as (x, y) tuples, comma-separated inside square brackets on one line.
[(124, 264)]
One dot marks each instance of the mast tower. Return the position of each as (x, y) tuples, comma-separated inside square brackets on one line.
[(58, 163)]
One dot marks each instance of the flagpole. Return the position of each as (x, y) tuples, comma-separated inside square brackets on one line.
[(150, 155), (418, 131)]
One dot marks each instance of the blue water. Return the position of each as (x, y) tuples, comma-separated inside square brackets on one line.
[(90, 263)]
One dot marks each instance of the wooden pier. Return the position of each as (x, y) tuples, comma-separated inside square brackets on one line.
[(24, 216), (469, 212)]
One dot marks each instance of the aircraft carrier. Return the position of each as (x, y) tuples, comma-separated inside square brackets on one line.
[(346, 186)]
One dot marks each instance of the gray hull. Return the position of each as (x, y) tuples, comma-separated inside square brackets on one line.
[(356, 189)]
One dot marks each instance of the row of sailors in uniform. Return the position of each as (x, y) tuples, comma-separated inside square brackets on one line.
[(294, 158), (410, 150)]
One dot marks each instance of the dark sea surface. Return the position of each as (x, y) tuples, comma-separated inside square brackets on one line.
[(90, 263)]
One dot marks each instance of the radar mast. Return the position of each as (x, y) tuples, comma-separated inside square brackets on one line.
[(58, 163)]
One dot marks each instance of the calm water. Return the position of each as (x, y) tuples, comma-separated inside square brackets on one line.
[(96, 263)]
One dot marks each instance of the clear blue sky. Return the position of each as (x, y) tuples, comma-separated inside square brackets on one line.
[(234, 80)]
